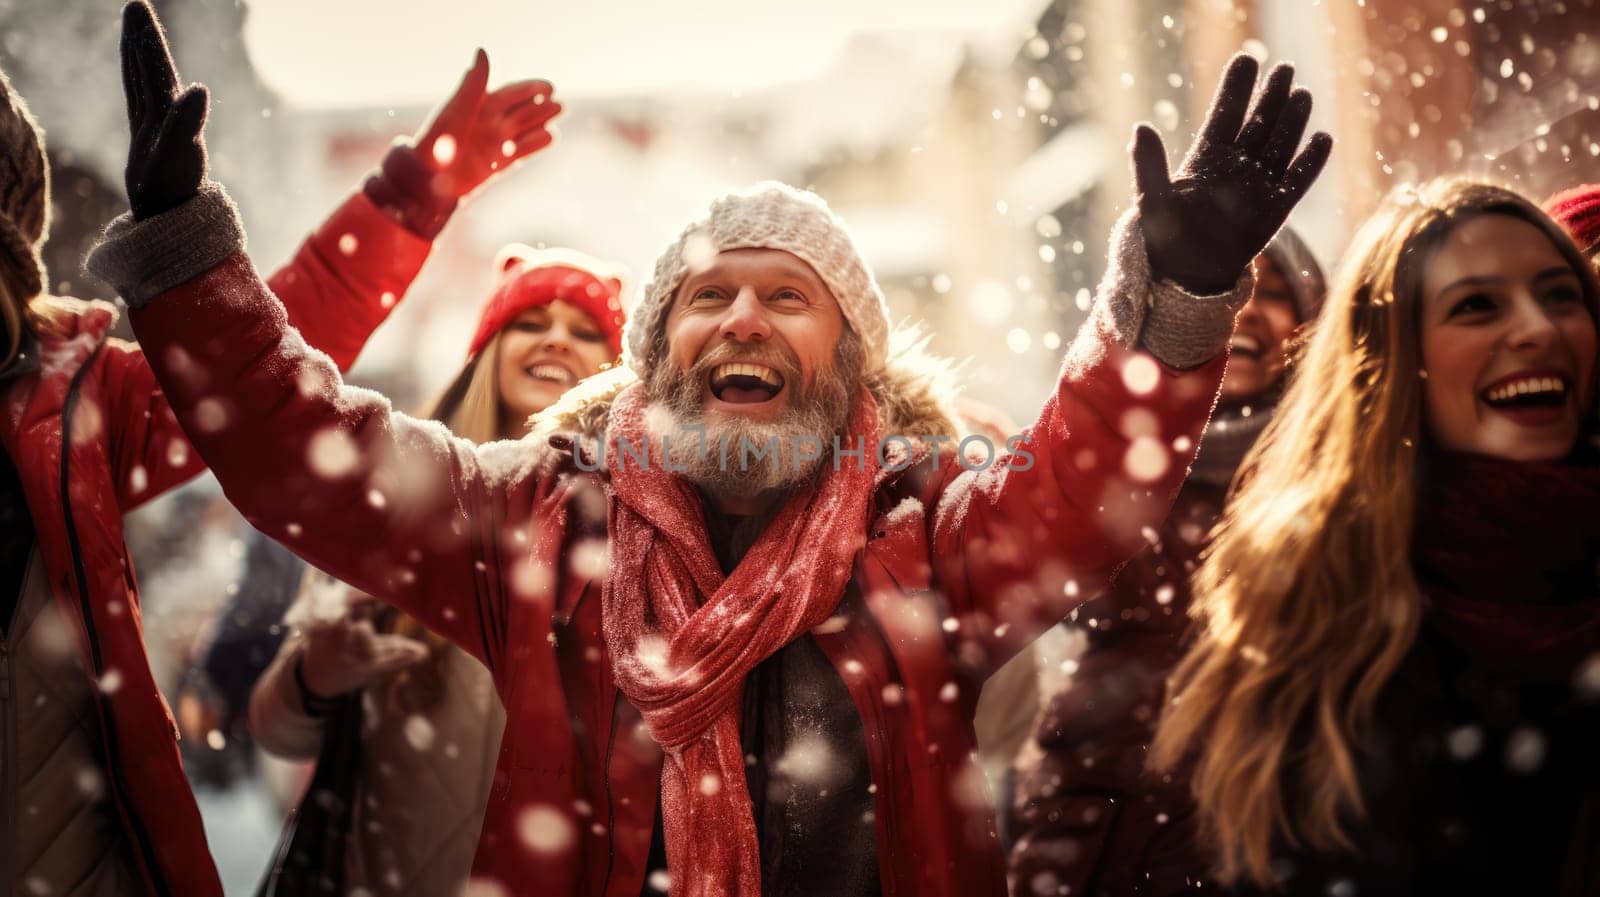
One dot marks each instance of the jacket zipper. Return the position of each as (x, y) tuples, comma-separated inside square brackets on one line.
[(891, 786), (611, 810), (108, 734), (8, 765)]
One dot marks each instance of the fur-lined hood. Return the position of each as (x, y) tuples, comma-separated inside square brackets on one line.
[(915, 390)]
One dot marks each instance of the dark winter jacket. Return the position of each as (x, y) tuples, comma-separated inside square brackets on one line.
[(958, 570), (1085, 813), (424, 767), (98, 397), (248, 632), (1478, 772), (1473, 784)]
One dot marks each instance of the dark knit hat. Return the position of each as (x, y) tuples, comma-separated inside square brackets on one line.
[(1299, 267), (24, 194), (1578, 210)]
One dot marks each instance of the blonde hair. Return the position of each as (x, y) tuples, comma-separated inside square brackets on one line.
[(1306, 599), (475, 413), (470, 406)]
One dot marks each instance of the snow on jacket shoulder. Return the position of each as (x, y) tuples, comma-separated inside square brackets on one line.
[(92, 436), (960, 567)]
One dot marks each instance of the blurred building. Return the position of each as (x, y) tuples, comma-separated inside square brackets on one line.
[(65, 60), (1410, 89), (905, 138), (1505, 90), (922, 161)]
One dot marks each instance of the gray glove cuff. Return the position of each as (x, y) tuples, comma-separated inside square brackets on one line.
[(1181, 329), (143, 259)]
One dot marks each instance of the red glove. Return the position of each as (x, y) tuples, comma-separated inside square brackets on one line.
[(475, 134)]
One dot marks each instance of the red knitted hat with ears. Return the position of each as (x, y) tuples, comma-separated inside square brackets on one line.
[(532, 277), (1578, 210)]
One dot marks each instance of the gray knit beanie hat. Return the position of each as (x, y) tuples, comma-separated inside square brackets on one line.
[(768, 215), (24, 195)]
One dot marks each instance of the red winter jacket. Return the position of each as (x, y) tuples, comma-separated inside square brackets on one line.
[(98, 396), (960, 570)]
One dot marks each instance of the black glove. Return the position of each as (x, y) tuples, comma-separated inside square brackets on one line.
[(167, 154), (1236, 186)]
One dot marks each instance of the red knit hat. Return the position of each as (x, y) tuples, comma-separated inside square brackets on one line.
[(1578, 210), (532, 277)]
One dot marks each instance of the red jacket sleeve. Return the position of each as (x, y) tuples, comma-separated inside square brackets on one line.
[(398, 508), (149, 452), (347, 276), (340, 285), (1019, 544)]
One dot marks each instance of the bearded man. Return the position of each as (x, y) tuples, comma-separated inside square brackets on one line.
[(727, 678)]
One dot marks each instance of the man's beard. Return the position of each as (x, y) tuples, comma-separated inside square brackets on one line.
[(736, 458)]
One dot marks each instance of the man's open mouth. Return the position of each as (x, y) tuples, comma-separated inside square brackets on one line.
[(1544, 391), (743, 383)]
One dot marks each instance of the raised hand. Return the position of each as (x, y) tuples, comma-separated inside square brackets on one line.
[(347, 653), (1236, 186), (478, 132), (167, 150)]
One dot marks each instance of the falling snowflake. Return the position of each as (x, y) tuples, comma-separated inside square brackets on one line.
[(651, 652), (544, 829), (1525, 750), (1140, 375), (1464, 742), (419, 732), (483, 887), (331, 453), (1147, 459), (808, 758), (699, 252), (444, 149)]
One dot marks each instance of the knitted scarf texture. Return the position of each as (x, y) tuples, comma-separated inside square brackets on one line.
[(682, 636), (1508, 554)]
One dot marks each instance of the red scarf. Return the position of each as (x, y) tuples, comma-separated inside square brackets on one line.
[(682, 637), (1509, 556)]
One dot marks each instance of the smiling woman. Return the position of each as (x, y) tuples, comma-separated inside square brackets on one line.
[(1507, 342), (541, 354), (1403, 588), (553, 319)]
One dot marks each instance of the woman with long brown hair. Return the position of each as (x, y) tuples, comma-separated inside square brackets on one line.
[(1392, 687), (418, 717)]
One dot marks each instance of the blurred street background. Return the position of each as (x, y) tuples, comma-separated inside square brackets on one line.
[(977, 150)]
